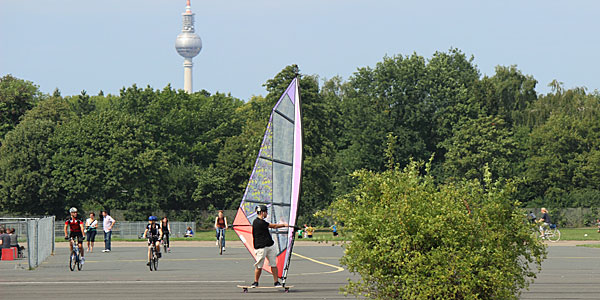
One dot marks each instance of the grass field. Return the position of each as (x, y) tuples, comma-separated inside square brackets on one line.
[(567, 234), (579, 234), (209, 235)]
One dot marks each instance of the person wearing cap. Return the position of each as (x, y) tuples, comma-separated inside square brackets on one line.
[(153, 233), (264, 247), (76, 231)]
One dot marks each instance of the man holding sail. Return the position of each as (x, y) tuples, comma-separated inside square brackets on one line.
[(264, 246)]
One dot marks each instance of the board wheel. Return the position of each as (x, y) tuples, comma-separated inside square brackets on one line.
[(287, 290), (245, 290)]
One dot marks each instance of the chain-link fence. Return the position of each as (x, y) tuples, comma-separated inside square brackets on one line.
[(134, 230), (38, 234)]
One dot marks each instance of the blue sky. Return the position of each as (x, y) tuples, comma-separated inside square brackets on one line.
[(106, 45)]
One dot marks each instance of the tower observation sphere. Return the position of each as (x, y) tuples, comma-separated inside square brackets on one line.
[(188, 44)]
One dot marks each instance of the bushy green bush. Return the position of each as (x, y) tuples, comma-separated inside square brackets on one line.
[(413, 239)]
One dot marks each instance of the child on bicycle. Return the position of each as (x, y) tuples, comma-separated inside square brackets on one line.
[(76, 231), (153, 234)]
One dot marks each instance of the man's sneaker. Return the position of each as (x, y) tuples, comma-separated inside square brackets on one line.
[(104, 250), (277, 284), (223, 249), (82, 261), (254, 284)]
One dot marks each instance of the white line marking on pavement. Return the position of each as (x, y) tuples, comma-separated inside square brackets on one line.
[(116, 282)]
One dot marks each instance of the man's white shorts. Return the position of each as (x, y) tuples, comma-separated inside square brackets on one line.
[(269, 252)]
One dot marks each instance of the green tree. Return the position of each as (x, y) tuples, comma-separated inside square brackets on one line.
[(109, 158), (413, 239), (26, 184), (480, 142), (17, 96)]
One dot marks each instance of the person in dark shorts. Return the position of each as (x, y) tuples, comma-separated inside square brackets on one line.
[(75, 225), (91, 228), (153, 234), (264, 247), (166, 230)]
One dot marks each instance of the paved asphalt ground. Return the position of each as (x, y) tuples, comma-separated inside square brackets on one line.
[(195, 271)]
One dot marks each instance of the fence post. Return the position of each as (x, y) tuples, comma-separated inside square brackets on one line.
[(53, 233)]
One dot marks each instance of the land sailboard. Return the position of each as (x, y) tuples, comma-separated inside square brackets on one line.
[(275, 180)]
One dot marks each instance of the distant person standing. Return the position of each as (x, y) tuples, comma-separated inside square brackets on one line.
[(107, 225), (309, 231), (91, 228)]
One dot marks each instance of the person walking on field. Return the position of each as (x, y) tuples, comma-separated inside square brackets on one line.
[(264, 247), (107, 225), (220, 226), (91, 226)]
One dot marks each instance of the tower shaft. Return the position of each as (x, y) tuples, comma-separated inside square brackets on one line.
[(187, 75)]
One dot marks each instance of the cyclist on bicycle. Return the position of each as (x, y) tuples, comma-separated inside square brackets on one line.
[(76, 231), (545, 220), (166, 229), (220, 226), (153, 234)]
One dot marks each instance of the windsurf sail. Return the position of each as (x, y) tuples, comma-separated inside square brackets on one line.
[(275, 179)]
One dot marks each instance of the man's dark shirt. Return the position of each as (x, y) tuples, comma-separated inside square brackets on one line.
[(261, 234), (5, 240)]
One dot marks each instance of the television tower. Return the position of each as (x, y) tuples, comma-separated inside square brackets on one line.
[(188, 44)]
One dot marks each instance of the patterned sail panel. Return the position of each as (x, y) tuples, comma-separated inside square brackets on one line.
[(275, 179)]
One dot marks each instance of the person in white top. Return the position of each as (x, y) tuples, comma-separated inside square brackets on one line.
[(107, 225), (91, 226)]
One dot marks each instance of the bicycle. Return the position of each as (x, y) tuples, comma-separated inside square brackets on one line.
[(221, 243), (75, 258), (165, 244), (153, 256), (552, 233)]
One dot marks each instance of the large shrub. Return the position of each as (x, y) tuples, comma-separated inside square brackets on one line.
[(413, 239)]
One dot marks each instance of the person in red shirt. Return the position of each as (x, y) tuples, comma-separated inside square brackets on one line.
[(76, 231)]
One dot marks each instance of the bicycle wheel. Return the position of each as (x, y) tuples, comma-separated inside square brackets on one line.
[(72, 261), (220, 244), (151, 266), (554, 235), (155, 263), (79, 265)]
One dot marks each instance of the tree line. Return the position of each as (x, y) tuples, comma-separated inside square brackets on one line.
[(149, 149)]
